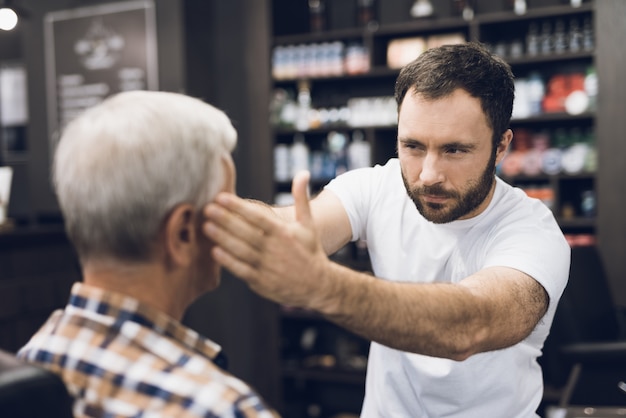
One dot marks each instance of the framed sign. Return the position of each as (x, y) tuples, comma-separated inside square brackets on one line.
[(6, 173), (13, 112), (94, 52)]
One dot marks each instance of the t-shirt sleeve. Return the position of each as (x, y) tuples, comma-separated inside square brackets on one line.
[(536, 248), (353, 189)]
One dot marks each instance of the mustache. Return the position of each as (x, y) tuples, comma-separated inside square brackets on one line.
[(435, 190)]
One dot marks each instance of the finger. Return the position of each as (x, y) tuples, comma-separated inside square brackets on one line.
[(232, 245), (231, 263), (235, 226), (299, 190), (255, 214)]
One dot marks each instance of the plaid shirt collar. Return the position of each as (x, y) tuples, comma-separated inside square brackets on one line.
[(116, 309)]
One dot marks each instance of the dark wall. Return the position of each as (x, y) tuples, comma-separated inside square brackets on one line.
[(171, 77), (611, 129), (30, 291), (11, 44)]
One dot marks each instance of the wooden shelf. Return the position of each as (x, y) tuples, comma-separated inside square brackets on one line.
[(577, 222), (330, 128), (423, 25), (523, 178), (551, 58), (532, 14), (374, 73), (553, 117), (326, 375), (325, 36)]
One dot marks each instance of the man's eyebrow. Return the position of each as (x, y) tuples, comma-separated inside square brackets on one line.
[(447, 145), (462, 145), (409, 140)]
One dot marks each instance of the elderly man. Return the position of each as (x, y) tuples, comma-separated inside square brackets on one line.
[(132, 175)]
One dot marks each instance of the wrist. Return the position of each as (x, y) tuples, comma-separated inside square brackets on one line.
[(343, 288), (328, 299)]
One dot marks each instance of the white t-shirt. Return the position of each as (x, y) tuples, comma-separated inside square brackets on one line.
[(514, 231)]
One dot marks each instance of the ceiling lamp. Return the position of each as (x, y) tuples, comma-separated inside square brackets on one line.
[(8, 18)]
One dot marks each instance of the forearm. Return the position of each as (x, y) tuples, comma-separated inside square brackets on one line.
[(286, 213), (436, 319)]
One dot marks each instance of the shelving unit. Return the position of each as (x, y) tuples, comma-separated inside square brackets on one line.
[(14, 146), (334, 91), (322, 366)]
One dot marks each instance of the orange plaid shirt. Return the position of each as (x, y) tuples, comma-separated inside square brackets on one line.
[(121, 358)]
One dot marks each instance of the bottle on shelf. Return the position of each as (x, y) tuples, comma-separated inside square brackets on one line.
[(337, 143), (575, 155), (545, 38), (591, 88), (422, 8), (365, 12), (317, 15), (359, 151), (468, 10), (357, 59), (591, 161), (575, 36), (560, 37), (533, 158), (532, 39), (535, 91), (299, 155), (588, 203), (588, 38), (304, 106), (282, 169)]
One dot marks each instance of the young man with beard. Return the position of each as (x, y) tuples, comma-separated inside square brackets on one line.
[(468, 270)]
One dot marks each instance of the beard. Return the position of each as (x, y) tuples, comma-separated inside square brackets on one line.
[(462, 203)]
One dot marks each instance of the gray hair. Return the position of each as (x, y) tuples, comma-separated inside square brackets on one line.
[(124, 164)]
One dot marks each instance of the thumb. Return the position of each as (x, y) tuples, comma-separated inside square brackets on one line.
[(299, 190)]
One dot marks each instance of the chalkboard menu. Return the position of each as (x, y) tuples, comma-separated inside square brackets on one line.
[(94, 52)]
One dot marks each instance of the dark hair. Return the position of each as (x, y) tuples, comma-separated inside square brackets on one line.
[(437, 72)]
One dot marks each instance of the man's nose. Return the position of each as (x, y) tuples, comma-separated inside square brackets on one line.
[(431, 170)]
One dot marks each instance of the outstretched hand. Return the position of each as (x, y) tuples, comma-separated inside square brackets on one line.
[(280, 260)]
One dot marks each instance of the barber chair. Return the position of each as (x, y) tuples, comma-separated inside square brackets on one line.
[(29, 391), (585, 354)]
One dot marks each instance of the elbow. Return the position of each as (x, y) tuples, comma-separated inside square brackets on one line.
[(461, 355), (468, 344)]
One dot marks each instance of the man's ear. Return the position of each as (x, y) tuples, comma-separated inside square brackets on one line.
[(181, 235), (506, 139), (230, 173)]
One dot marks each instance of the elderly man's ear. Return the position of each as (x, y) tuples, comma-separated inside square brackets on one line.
[(181, 235), (230, 173)]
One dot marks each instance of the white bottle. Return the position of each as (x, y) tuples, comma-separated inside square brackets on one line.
[(282, 171), (535, 90), (359, 151), (591, 88), (299, 154), (304, 106)]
